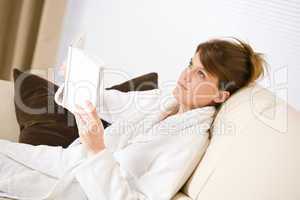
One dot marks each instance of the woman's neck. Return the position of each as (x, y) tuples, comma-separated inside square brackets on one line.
[(177, 110)]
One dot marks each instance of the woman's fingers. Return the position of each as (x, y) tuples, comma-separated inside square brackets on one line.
[(88, 113), (80, 122), (95, 124), (78, 113), (89, 118), (92, 112), (82, 113), (91, 128)]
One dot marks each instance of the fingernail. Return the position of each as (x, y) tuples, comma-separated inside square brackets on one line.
[(88, 105)]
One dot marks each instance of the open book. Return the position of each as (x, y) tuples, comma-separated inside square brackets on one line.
[(83, 80)]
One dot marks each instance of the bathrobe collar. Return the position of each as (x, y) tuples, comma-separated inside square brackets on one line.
[(186, 119)]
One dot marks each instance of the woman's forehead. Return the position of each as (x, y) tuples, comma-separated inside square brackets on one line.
[(196, 61)]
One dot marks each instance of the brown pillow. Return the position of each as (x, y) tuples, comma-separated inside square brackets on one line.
[(140, 83), (42, 121)]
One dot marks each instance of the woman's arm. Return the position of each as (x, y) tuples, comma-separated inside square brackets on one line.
[(152, 169), (102, 177)]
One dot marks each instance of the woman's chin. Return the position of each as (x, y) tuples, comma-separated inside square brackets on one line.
[(177, 93)]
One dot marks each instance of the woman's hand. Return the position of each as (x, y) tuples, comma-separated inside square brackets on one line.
[(90, 128)]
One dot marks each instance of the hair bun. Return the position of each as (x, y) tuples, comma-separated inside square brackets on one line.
[(256, 62)]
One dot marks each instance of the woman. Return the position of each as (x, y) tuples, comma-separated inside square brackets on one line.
[(142, 155)]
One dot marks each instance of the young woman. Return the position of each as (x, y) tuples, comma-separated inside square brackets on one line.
[(148, 152)]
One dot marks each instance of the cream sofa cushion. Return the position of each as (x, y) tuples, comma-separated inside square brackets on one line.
[(9, 128), (253, 153)]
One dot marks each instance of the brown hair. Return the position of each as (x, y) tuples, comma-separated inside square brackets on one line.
[(233, 61)]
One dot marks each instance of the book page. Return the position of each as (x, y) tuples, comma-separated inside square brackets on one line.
[(82, 80)]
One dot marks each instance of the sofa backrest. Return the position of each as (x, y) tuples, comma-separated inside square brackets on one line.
[(253, 152), (9, 128)]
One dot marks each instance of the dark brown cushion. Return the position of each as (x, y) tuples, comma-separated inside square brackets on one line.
[(140, 83), (42, 121)]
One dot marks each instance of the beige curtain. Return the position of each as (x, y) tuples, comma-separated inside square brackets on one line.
[(29, 34)]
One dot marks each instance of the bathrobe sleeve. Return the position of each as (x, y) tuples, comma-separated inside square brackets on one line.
[(102, 177), (117, 105)]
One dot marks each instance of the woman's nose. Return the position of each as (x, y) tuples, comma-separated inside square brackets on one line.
[(187, 76)]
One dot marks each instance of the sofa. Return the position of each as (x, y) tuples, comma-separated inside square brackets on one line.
[(253, 150)]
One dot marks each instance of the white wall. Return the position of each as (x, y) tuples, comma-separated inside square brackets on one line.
[(140, 36)]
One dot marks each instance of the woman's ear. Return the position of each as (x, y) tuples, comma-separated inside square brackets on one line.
[(222, 96)]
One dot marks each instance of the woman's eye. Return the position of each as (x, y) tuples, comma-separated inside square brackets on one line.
[(201, 74)]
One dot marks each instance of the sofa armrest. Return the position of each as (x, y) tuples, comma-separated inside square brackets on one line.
[(9, 128)]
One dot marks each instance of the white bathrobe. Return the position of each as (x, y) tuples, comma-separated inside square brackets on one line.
[(145, 158)]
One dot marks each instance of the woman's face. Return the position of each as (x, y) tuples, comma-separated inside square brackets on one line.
[(196, 87)]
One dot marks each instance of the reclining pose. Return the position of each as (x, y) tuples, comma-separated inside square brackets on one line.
[(149, 151)]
